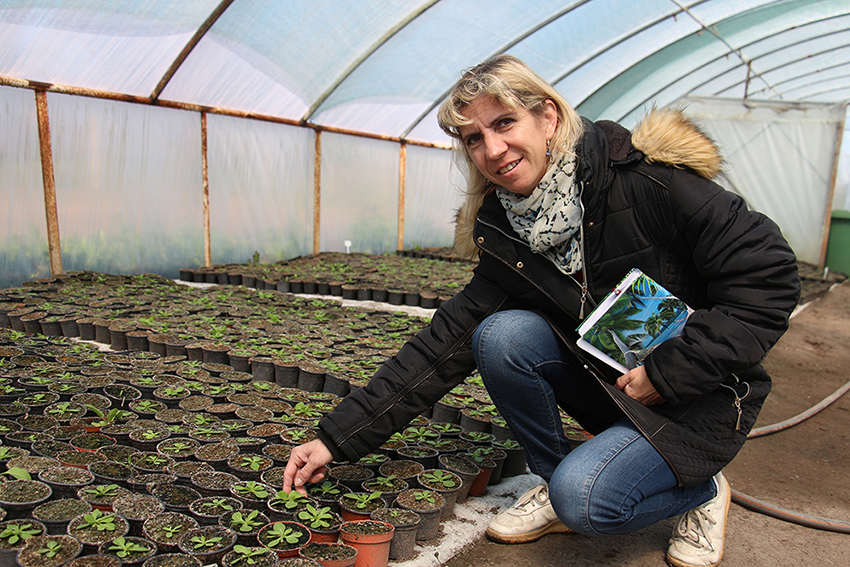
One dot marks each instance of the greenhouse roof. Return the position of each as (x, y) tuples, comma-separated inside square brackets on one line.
[(382, 68)]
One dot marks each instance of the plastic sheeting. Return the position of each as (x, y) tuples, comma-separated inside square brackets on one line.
[(433, 192), (23, 233), (117, 213), (128, 176), (380, 67), (780, 158), (359, 196), (261, 190)]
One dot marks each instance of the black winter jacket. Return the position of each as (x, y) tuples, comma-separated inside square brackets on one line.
[(730, 264)]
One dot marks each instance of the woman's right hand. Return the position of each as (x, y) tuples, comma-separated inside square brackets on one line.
[(307, 463)]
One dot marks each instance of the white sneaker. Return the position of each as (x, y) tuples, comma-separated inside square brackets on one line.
[(698, 538), (529, 519)]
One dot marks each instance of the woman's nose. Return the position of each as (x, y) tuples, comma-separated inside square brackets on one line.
[(494, 145)]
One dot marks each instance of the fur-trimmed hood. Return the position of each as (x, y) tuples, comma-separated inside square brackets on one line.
[(665, 136)]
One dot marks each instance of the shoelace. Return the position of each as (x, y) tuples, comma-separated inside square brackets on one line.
[(694, 530), (531, 496)]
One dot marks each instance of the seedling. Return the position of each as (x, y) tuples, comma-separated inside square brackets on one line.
[(99, 521), (221, 503), (360, 500), (201, 542), (176, 447), (373, 458), (153, 460), (280, 533), (416, 434), (247, 554), (98, 493), (303, 410), (252, 462), (288, 500), (171, 531), (479, 436), (252, 489), (64, 408), (204, 419), (387, 482), (316, 518), (123, 547), (146, 405), (18, 473), (50, 549), (173, 391), (151, 434), (246, 523), (424, 496), (13, 533), (109, 418), (297, 435), (443, 478), (327, 488)]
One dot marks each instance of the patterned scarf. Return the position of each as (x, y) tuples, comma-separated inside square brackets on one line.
[(549, 219)]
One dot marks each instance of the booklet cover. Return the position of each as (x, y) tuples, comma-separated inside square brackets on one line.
[(637, 316)]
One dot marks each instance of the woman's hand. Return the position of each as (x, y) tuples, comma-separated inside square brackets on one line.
[(306, 464), (636, 385)]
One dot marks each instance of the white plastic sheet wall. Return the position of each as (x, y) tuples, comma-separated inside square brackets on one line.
[(261, 190), (23, 232), (359, 194), (128, 185), (433, 192), (780, 158)]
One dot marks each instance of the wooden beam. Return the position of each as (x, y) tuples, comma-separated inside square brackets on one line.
[(107, 95), (317, 195), (54, 245), (402, 173), (205, 173), (836, 158)]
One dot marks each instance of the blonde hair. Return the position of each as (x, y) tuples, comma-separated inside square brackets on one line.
[(509, 82)]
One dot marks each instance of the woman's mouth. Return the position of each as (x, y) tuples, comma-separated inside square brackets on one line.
[(508, 167)]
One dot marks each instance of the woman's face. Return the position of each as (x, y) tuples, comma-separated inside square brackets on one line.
[(508, 145)]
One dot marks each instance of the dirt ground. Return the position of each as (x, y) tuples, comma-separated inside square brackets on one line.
[(804, 469)]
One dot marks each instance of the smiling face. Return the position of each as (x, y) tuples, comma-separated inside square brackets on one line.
[(508, 145)]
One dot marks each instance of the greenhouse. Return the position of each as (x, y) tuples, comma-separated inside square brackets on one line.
[(217, 214)]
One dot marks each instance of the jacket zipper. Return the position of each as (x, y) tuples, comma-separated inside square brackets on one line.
[(583, 255), (738, 399)]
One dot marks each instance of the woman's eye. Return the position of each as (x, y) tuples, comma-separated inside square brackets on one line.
[(505, 122), (472, 140)]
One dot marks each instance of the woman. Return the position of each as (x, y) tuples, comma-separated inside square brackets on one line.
[(559, 210)]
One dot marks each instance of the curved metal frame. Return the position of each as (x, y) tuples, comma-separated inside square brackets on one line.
[(677, 8)]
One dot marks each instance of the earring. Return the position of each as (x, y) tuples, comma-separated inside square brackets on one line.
[(548, 151)]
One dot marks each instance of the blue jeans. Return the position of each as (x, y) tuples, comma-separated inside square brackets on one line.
[(614, 483)]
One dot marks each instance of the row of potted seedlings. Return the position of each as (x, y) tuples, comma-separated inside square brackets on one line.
[(132, 474), (310, 344), (168, 429), (399, 279)]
